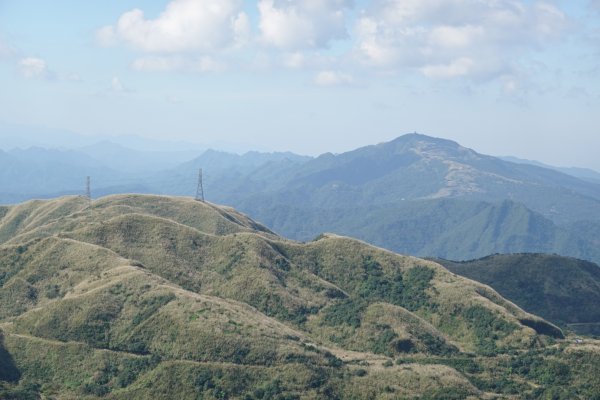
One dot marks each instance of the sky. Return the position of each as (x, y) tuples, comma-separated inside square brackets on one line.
[(504, 77)]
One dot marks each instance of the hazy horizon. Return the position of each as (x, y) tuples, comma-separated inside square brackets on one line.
[(505, 78)]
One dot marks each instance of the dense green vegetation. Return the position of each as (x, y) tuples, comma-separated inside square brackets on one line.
[(558, 372), (454, 229), (563, 290), (487, 328), (142, 297)]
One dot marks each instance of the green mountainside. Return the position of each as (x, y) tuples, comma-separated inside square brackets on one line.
[(563, 290), (417, 195), (419, 167), (447, 228), (136, 297)]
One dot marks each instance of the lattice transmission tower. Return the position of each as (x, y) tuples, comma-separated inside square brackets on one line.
[(200, 187), (88, 190)]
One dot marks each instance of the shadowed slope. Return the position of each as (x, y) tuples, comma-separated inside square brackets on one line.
[(561, 289)]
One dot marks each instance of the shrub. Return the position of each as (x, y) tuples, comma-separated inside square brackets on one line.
[(487, 328), (347, 312)]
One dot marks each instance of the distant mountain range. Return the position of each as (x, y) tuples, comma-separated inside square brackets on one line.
[(417, 167), (416, 194), (581, 173), (146, 296)]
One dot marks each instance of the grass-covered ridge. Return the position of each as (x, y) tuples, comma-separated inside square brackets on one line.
[(151, 296)]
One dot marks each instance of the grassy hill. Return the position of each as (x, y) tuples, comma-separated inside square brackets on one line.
[(140, 297), (563, 290)]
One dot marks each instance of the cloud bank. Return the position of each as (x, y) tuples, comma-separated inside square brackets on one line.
[(452, 38), (185, 25), (308, 24), (480, 40)]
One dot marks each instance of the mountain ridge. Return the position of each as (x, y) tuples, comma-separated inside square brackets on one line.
[(295, 195), (172, 281)]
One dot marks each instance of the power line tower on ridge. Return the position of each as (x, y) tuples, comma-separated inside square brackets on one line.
[(88, 190), (200, 188)]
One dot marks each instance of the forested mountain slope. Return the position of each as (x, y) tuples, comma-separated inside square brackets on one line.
[(563, 290)]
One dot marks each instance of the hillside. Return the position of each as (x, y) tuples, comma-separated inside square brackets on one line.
[(163, 297), (446, 228), (419, 167), (230, 177), (416, 194), (563, 290)]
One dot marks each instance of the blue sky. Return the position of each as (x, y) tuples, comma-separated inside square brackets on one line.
[(500, 76)]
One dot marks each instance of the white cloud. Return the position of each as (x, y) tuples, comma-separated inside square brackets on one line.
[(32, 67), (548, 21), (455, 37), (241, 29), (314, 61), (106, 36), (116, 85), (177, 63), (208, 64), (479, 39), (294, 60), (185, 25), (333, 78), (161, 64), (459, 67), (440, 39), (308, 24)]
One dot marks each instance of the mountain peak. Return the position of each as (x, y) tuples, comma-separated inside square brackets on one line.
[(429, 147), (414, 139)]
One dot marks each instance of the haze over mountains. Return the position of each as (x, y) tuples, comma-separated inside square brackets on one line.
[(581, 173), (416, 194)]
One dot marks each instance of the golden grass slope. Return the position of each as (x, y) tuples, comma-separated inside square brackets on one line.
[(147, 291), (44, 217)]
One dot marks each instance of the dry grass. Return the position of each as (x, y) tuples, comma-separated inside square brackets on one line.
[(204, 288)]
